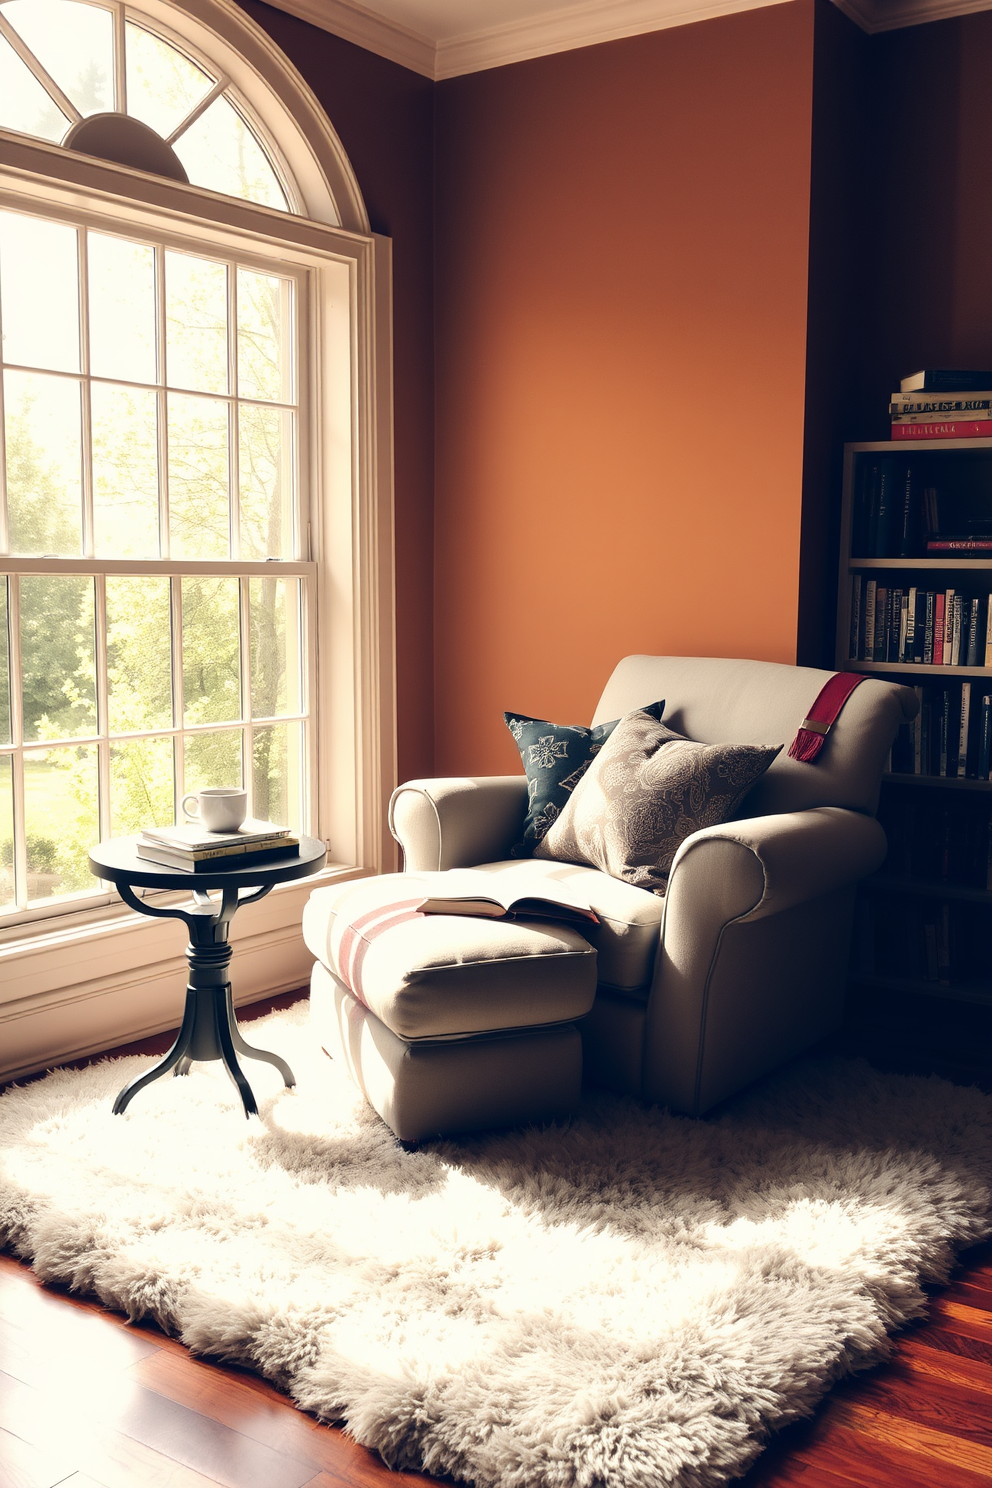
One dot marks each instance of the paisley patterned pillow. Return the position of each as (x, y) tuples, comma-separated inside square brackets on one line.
[(645, 792), (555, 757)]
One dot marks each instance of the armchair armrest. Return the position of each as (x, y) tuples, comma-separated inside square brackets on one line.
[(459, 821), (765, 864)]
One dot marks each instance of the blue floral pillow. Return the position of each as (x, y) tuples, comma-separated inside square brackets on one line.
[(555, 757)]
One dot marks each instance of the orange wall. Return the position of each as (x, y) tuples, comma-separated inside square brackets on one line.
[(620, 289)]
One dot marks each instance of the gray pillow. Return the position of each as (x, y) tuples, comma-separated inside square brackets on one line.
[(644, 793)]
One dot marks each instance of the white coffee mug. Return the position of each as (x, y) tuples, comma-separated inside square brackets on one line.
[(221, 808)]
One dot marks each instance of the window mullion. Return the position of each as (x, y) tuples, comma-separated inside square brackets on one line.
[(162, 406), (234, 414), (178, 701), (51, 87), (120, 61), (17, 736), (247, 742), (102, 705), (86, 400)]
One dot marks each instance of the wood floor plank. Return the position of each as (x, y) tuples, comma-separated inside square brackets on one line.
[(953, 1409), (970, 1322), (954, 1369), (952, 1342), (881, 1427), (25, 1466), (869, 1462)]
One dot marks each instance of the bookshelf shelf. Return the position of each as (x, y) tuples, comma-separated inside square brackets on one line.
[(888, 883), (915, 932), (938, 782), (956, 991), (924, 670), (944, 565)]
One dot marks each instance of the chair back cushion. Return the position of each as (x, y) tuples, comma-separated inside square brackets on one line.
[(720, 701)]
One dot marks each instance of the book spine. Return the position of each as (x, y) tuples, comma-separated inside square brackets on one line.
[(948, 625), (926, 734), (963, 730), (973, 632), (956, 639), (938, 415), (985, 741), (854, 639), (919, 626), (886, 512), (988, 632), (928, 618), (938, 629), (902, 405), (894, 636), (955, 429), (903, 625), (959, 545), (880, 647), (906, 544), (869, 645), (945, 732), (918, 733)]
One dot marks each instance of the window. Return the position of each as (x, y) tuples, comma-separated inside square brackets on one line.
[(195, 510)]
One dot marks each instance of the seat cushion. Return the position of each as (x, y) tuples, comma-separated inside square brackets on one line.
[(446, 976), (629, 918)]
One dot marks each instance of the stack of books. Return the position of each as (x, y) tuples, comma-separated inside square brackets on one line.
[(940, 404), (950, 737), (193, 848)]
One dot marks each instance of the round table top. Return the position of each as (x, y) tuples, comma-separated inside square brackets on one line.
[(117, 861)]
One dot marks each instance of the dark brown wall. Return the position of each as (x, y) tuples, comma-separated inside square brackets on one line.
[(930, 244), (383, 114), (622, 236)]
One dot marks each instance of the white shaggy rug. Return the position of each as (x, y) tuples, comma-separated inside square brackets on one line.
[(630, 1301)]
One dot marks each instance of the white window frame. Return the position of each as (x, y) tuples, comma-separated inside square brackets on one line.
[(87, 979)]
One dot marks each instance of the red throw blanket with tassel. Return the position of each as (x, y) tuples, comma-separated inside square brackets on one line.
[(823, 715)]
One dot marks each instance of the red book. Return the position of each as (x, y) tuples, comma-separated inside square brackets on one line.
[(938, 629), (950, 429)]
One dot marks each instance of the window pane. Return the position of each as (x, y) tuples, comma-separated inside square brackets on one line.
[(211, 651), (142, 788), (24, 104), (39, 283), (44, 465), (213, 759), (125, 471), (265, 481), (139, 653), (162, 85), (6, 832), (277, 773), (74, 43), (122, 309), (220, 151), (61, 819), (199, 508), (57, 656), (196, 323), (4, 664), (275, 646), (265, 318)]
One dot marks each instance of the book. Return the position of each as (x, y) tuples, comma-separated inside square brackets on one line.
[(947, 405), (973, 620), (972, 415), (475, 891), (928, 619), (952, 429), (869, 642), (909, 634), (948, 625), (216, 858), (191, 837), (963, 730), (988, 634), (938, 628), (984, 761), (956, 633), (942, 380), (907, 538), (883, 616), (944, 715), (961, 545), (885, 513), (854, 638), (893, 641)]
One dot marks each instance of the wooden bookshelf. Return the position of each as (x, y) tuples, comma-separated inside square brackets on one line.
[(950, 813)]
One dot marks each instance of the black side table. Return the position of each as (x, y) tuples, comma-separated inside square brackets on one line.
[(209, 1029)]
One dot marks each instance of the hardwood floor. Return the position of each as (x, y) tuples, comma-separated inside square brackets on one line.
[(88, 1400)]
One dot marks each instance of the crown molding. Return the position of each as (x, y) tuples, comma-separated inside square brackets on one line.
[(572, 26), (366, 28), (892, 15)]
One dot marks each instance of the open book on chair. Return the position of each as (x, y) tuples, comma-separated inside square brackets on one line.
[(519, 896)]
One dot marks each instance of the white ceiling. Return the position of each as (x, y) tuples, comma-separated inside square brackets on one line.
[(445, 38)]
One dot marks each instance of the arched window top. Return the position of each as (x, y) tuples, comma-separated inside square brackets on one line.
[(217, 106)]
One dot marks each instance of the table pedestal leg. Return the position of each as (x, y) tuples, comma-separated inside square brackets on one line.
[(209, 1029)]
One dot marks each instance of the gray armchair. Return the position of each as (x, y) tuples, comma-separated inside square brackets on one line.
[(743, 963)]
